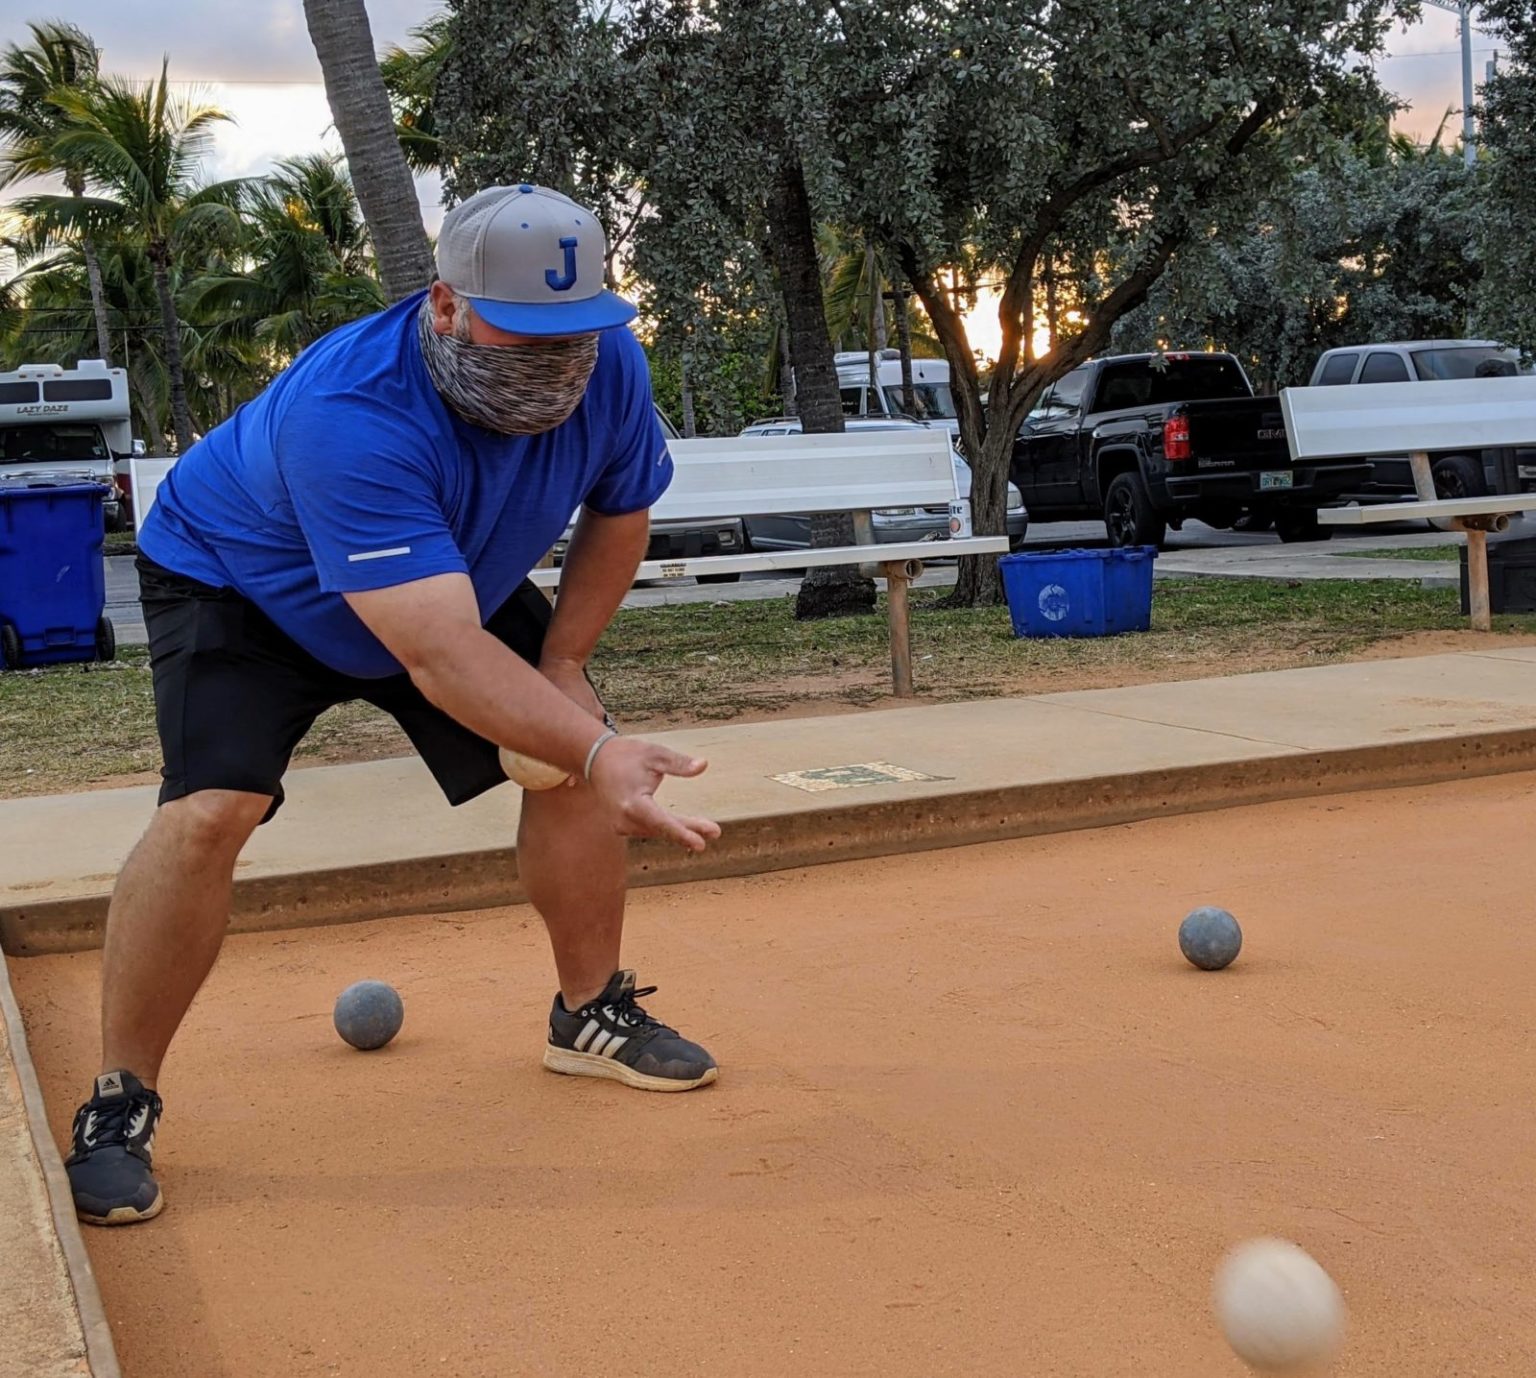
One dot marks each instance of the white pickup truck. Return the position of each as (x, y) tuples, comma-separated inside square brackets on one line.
[(1468, 473)]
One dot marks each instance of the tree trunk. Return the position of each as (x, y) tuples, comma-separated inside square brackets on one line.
[(76, 184), (1051, 304), (787, 375), (979, 583), (873, 345), (904, 344), (359, 104), (98, 299), (837, 591), (690, 425), (181, 413), (879, 329)]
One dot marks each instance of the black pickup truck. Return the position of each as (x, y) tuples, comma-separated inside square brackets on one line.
[(1148, 441)]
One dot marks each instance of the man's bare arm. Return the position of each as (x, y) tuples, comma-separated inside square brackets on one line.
[(432, 627), (599, 570)]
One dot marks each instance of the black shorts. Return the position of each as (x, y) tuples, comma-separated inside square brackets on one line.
[(234, 695)]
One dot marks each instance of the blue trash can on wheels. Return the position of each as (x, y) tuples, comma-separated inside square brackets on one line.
[(53, 581)]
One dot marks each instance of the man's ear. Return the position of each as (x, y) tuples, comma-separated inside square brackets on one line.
[(443, 308)]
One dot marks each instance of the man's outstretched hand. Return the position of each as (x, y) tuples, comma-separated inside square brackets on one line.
[(625, 777)]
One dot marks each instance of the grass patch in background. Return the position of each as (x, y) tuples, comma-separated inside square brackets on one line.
[(76, 725)]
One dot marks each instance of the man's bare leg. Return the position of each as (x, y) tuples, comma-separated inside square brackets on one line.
[(164, 927), (169, 910), (573, 865)]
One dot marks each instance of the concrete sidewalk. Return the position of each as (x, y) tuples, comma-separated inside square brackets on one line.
[(369, 840), (51, 1320)]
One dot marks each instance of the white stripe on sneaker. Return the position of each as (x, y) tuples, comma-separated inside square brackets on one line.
[(585, 1036), (614, 1044), (596, 1045)]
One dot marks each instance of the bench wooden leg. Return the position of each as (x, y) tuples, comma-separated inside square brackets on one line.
[(1477, 581), (898, 615)]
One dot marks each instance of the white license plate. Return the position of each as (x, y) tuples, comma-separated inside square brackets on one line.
[(1276, 478)]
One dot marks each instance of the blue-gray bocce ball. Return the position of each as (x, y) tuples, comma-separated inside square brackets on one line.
[(368, 1014), (1210, 938)]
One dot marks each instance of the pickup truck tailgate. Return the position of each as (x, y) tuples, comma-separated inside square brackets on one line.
[(1242, 432)]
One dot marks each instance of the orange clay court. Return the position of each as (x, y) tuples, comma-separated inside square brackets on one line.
[(976, 1115)]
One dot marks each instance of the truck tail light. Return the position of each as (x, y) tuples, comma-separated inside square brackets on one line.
[(1176, 438)]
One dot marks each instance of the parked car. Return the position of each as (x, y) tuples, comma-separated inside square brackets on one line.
[(792, 531), (1148, 441), (675, 540), (1460, 474)]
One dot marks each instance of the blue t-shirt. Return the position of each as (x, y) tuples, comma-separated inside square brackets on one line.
[(350, 473)]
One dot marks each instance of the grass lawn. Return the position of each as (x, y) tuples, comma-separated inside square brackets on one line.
[(78, 725), (1435, 553)]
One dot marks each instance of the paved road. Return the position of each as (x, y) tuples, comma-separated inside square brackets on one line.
[(1197, 549)]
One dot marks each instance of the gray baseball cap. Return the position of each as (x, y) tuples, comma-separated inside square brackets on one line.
[(531, 261)]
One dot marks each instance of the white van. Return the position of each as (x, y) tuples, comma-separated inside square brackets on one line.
[(932, 400), (68, 424)]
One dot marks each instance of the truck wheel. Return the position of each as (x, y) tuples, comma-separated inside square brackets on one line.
[(1300, 524), (1457, 476), (1128, 515), (106, 639), (10, 648)]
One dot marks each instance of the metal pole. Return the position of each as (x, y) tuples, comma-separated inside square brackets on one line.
[(1468, 134)]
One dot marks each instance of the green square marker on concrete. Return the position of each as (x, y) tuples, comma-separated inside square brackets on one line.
[(852, 776)]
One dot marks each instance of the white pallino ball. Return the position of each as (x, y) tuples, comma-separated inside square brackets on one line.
[(530, 772), (1277, 1307)]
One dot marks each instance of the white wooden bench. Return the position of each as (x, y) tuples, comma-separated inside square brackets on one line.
[(1421, 419), (771, 475), (860, 473)]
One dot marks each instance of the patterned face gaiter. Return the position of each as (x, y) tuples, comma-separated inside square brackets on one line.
[(513, 389)]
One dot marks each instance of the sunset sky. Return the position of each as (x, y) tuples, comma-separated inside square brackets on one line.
[(255, 60)]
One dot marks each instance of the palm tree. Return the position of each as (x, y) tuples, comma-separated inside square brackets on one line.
[(141, 149), (304, 265), (48, 318), (60, 57), (410, 76), (360, 106)]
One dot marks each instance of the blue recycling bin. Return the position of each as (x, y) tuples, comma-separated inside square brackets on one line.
[(1079, 592), (53, 580)]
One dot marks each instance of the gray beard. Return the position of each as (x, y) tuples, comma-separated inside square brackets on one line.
[(512, 389)]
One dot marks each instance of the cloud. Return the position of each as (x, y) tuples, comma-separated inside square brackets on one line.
[(264, 40)]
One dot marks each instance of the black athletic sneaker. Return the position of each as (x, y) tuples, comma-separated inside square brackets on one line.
[(114, 1139), (612, 1036)]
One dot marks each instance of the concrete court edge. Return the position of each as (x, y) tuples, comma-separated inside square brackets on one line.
[(100, 1355), (838, 832)]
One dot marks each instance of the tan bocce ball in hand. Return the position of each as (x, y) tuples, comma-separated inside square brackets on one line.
[(530, 772)]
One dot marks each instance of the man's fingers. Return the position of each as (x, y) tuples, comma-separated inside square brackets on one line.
[(647, 818), (706, 828), (671, 762)]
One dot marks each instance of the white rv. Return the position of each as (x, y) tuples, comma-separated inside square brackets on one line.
[(68, 424), (931, 397)]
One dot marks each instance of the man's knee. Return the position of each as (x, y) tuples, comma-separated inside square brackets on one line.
[(214, 820)]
